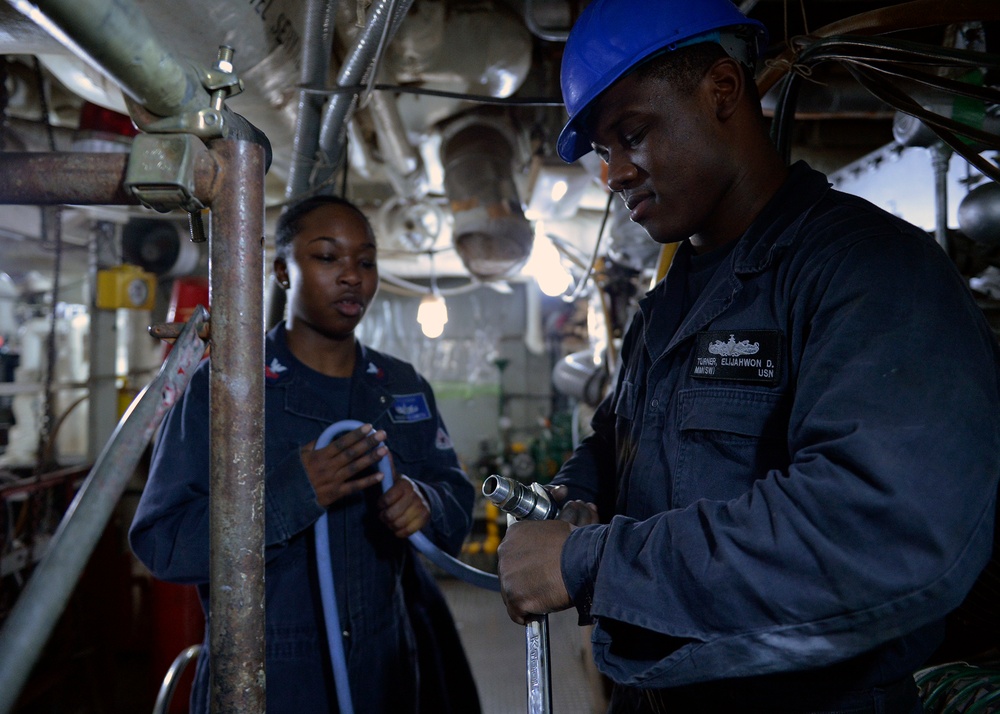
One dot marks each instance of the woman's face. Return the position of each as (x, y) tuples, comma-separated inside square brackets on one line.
[(331, 271)]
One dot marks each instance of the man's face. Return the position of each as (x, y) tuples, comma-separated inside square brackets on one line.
[(665, 155)]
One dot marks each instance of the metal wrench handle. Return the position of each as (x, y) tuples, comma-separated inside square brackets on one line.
[(522, 502), (539, 670)]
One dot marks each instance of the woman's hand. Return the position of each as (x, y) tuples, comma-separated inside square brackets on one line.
[(403, 507), (333, 470)]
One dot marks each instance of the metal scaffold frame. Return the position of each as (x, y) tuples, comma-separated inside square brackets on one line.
[(220, 161)]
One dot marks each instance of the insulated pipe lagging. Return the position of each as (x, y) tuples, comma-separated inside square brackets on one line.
[(418, 540), (116, 37)]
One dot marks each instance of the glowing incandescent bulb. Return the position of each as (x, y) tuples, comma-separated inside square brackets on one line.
[(432, 315)]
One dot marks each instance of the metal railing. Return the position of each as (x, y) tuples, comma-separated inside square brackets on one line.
[(193, 155)]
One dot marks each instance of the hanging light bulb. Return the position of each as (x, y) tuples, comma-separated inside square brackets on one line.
[(433, 311), (545, 265), (432, 315), (559, 190)]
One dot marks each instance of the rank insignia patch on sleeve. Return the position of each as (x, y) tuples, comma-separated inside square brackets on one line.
[(442, 441)]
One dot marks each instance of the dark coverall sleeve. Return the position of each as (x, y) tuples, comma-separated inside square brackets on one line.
[(879, 524), (169, 532)]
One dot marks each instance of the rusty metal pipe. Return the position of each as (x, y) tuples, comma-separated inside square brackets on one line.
[(81, 179), (46, 179), (236, 430), (117, 38), (37, 610)]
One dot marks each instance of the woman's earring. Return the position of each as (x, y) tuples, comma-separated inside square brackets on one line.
[(284, 284)]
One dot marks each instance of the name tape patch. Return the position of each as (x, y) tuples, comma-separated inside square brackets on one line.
[(738, 355), (408, 408)]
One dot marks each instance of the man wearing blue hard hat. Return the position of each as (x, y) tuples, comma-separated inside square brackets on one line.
[(794, 479)]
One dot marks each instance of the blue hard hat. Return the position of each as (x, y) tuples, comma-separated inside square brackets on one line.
[(613, 36)]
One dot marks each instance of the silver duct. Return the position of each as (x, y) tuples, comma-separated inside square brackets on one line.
[(384, 17), (580, 377), (490, 234), (480, 49), (405, 169), (316, 49)]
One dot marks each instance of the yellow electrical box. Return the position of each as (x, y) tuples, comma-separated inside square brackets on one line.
[(127, 286)]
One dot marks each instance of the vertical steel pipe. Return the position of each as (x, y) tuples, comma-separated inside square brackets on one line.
[(940, 160), (317, 47), (316, 51), (236, 430), (383, 15), (102, 377), (37, 610), (117, 38), (405, 168)]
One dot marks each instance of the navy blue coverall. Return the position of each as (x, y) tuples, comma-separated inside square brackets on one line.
[(170, 530), (799, 474)]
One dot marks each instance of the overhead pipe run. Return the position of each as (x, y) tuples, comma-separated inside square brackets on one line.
[(316, 49), (383, 19), (904, 16), (491, 234), (549, 34), (116, 38), (317, 43), (405, 167), (482, 48)]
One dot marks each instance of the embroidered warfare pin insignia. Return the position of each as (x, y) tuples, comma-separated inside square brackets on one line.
[(738, 355), (408, 408)]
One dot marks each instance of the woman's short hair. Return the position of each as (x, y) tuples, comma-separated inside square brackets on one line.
[(290, 221)]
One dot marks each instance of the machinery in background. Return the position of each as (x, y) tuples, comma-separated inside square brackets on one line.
[(400, 149)]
